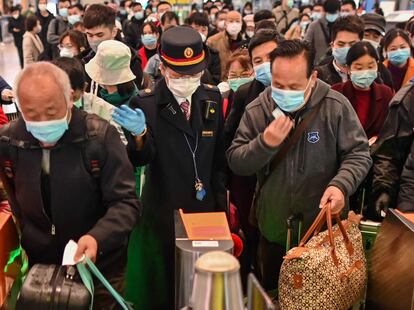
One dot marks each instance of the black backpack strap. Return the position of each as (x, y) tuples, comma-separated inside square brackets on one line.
[(325, 34), (8, 152), (94, 153)]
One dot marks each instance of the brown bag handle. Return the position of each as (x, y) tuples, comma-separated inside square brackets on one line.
[(325, 215)]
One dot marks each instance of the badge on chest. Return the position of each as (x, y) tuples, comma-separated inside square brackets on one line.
[(210, 110)]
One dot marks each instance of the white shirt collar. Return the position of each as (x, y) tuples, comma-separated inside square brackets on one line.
[(343, 76), (182, 99)]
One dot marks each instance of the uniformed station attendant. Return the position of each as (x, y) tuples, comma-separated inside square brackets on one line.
[(183, 146)]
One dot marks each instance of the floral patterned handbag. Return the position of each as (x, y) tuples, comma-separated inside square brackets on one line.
[(329, 271)]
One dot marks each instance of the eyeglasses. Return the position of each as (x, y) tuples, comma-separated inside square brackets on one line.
[(241, 76)]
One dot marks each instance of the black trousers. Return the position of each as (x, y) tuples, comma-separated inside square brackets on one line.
[(103, 300), (270, 259)]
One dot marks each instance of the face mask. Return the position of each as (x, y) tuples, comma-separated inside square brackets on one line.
[(139, 15), (363, 79), (16, 16), (263, 74), (290, 3), (149, 39), (48, 131), (78, 103), (94, 44), (122, 12), (303, 25), (375, 44), (212, 18), (345, 14), (66, 52), (340, 55), (63, 12), (331, 17), (236, 83), (42, 7), (185, 87), (73, 19), (39, 29), (116, 98), (203, 37), (399, 57), (250, 33), (289, 100), (247, 12), (160, 15), (316, 15), (221, 24), (233, 29)]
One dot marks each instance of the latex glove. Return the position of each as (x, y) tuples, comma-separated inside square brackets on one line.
[(382, 204), (131, 120), (335, 196), (88, 246), (7, 95)]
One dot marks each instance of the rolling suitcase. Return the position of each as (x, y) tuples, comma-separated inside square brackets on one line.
[(54, 288)]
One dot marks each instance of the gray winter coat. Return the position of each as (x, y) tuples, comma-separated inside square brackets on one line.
[(319, 35), (333, 151)]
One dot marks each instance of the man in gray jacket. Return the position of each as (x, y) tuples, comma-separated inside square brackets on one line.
[(319, 32), (327, 163)]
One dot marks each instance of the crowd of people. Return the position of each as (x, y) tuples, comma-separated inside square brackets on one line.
[(261, 114)]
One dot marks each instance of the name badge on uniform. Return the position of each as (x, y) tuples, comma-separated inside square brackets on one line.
[(207, 134)]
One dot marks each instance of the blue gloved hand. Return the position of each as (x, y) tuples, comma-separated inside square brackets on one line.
[(131, 120)]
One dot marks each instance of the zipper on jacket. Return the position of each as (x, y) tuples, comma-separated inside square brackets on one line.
[(52, 226), (49, 219)]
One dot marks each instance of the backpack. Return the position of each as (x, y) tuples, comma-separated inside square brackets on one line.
[(93, 150)]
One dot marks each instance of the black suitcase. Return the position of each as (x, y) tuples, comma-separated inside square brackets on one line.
[(51, 287)]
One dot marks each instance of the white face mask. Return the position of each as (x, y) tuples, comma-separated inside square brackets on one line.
[(66, 52), (39, 29), (375, 44), (42, 7), (184, 87), (221, 24), (203, 37), (250, 33), (234, 28), (15, 16)]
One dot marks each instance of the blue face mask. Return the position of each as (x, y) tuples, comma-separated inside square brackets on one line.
[(73, 19), (149, 39), (236, 83), (331, 17), (316, 15), (363, 79), (399, 57), (304, 25), (289, 100), (263, 74), (139, 15), (340, 55), (48, 132), (63, 12)]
